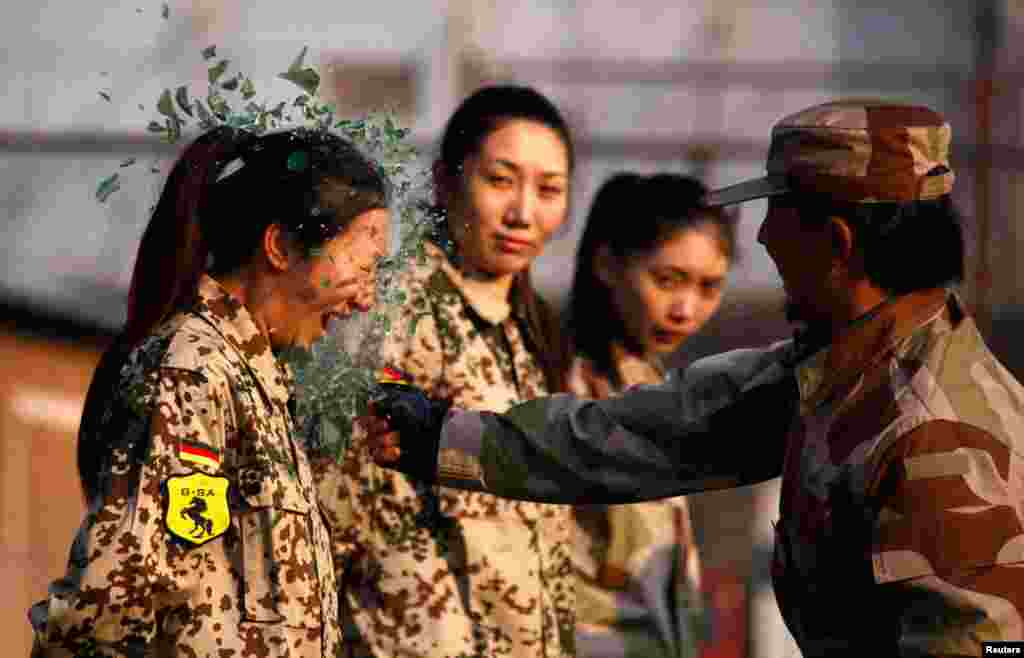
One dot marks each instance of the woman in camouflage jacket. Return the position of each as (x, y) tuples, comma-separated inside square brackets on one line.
[(204, 537), (637, 295), (447, 573)]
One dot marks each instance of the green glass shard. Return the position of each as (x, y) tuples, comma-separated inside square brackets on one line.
[(107, 187)]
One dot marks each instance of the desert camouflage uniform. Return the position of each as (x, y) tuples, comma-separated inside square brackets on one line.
[(637, 567), (206, 379), (902, 521), (459, 574)]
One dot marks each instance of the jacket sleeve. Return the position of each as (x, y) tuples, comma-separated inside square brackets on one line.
[(125, 567), (720, 423), (948, 536)]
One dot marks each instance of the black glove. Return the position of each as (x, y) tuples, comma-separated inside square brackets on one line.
[(417, 418)]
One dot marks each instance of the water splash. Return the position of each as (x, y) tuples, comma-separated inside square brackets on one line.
[(335, 378)]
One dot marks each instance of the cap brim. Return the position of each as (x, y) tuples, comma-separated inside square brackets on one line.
[(758, 188)]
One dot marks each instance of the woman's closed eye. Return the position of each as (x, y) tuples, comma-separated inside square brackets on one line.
[(551, 191), (500, 181)]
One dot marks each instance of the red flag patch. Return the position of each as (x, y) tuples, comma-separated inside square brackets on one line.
[(198, 454), (389, 375)]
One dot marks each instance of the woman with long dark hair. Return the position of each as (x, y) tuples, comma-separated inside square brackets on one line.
[(650, 270), (447, 573), (204, 535)]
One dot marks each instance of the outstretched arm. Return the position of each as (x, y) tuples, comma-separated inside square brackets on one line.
[(720, 423)]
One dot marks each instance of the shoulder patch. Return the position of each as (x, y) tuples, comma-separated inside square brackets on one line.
[(199, 453), (389, 375), (197, 507)]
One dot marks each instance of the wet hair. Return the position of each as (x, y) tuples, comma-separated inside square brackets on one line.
[(885, 233), (632, 215), (479, 115), (224, 191)]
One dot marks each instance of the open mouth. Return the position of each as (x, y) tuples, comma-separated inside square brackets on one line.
[(663, 337)]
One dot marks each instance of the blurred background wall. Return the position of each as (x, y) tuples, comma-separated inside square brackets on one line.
[(685, 86)]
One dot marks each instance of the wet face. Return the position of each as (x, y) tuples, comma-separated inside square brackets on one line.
[(802, 253), (666, 295), (336, 281), (511, 197)]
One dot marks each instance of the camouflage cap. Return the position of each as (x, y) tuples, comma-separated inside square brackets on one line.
[(855, 150)]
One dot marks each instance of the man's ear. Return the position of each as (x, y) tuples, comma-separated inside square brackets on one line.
[(842, 238), (605, 266), (278, 247)]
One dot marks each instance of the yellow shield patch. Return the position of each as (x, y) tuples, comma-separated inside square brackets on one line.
[(197, 507)]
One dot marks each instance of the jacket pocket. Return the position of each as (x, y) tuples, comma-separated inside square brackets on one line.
[(280, 583)]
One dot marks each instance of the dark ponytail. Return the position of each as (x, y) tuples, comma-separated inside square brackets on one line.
[(171, 257), (173, 252)]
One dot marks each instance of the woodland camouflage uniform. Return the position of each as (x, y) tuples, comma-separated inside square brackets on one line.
[(903, 491)]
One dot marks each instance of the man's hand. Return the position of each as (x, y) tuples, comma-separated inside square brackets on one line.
[(404, 429)]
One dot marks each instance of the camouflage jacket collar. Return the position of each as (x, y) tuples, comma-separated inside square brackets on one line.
[(232, 320), (630, 369), (478, 295), (836, 367)]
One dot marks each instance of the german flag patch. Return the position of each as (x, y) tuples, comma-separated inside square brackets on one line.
[(200, 454)]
